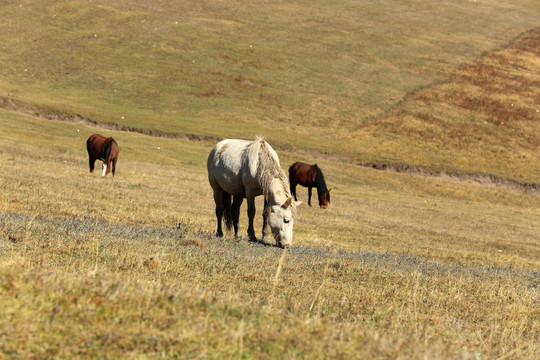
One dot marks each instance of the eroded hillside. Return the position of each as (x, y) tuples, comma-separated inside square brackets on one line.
[(484, 120)]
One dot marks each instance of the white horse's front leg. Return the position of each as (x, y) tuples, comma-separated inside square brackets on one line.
[(265, 239)]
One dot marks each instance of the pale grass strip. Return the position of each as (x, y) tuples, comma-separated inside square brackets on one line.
[(28, 234), (316, 296), (415, 306), (276, 276), (241, 339), (509, 354), (97, 257)]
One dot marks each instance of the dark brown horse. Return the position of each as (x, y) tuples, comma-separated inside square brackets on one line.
[(102, 148), (309, 176)]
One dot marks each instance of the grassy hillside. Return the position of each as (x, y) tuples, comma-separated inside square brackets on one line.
[(488, 114), (308, 74), (402, 265)]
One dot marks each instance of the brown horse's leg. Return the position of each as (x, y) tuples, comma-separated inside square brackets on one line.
[(92, 163), (309, 195), (293, 190), (105, 168), (113, 166)]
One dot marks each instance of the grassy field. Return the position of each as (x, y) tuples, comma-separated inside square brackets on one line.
[(439, 259), (401, 265)]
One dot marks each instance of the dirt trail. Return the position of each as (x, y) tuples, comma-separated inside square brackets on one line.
[(53, 114)]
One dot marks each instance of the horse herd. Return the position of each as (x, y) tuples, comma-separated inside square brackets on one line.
[(238, 170)]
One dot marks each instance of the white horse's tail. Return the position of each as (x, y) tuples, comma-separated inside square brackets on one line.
[(227, 213)]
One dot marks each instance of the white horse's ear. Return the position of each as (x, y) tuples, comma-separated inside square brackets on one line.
[(288, 203)]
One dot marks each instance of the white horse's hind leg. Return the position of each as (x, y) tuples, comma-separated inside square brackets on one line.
[(104, 170), (218, 199), (235, 209)]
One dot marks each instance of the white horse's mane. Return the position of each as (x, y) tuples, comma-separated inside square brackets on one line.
[(268, 167)]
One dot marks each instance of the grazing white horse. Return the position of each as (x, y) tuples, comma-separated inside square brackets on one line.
[(246, 169)]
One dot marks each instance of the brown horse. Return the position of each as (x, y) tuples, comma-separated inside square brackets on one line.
[(309, 176), (102, 148)]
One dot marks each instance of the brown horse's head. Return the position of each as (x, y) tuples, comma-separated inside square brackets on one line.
[(324, 199)]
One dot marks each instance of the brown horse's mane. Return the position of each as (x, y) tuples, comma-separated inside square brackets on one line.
[(268, 168), (319, 181)]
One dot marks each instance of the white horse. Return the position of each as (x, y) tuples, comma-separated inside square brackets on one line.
[(246, 169)]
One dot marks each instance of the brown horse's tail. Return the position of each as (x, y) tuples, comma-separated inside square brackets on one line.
[(91, 159), (226, 199)]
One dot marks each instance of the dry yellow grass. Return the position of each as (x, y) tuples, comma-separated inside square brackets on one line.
[(401, 265)]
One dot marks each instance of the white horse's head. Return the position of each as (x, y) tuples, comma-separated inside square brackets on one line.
[(281, 221)]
